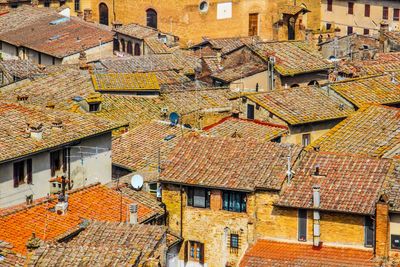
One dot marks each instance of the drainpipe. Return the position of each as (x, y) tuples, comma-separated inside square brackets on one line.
[(316, 216), (181, 223)]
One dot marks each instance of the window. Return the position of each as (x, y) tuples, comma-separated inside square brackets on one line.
[(203, 7), (350, 8), (194, 251), (94, 107), (137, 49), (306, 139), (302, 225), (385, 13), (22, 172), (151, 16), (253, 24), (328, 26), (58, 161), (366, 31), (77, 5), (368, 231), (14, 4), (103, 11), (250, 112), (123, 45), (224, 10), (367, 10), (395, 241), (47, 3), (116, 44), (349, 30), (330, 5), (234, 241), (129, 48), (396, 14), (198, 197), (153, 188), (234, 201)]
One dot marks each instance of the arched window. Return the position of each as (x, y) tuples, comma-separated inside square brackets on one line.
[(116, 44), (129, 48), (123, 45), (103, 11), (151, 16), (291, 28), (137, 49)]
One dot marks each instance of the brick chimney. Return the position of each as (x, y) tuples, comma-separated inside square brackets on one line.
[(382, 228), (133, 213)]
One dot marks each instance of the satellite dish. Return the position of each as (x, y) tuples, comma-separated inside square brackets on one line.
[(174, 118), (137, 181)]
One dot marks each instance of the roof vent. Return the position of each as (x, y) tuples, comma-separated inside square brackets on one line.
[(59, 21), (22, 98), (316, 171), (57, 123), (341, 106), (133, 213), (36, 130), (55, 37)]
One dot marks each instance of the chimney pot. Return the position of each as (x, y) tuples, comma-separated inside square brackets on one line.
[(133, 213)]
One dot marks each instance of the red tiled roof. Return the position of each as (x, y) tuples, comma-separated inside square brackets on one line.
[(348, 183), (232, 163), (280, 254), (96, 202)]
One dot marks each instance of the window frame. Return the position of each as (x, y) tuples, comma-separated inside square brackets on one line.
[(350, 8), (366, 31), (350, 30), (302, 216), (242, 196), (366, 227), (94, 107), (385, 12), (77, 5), (306, 136), (190, 197), (391, 242), (396, 14), (198, 251), (367, 10), (22, 172), (151, 18), (329, 5), (232, 244)]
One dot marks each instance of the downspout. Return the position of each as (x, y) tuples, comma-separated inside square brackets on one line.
[(69, 167), (181, 226), (316, 216)]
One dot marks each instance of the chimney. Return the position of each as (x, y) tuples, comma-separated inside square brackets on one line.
[(117, 24), (33, 243), (384, 28), (83, 61), (337, 32), (133, 213), (57, 123), (79, 14), (382, 228), (87, 15), (35, 130), (316, 216)]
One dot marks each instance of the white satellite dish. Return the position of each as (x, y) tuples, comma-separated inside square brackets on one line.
[(137, 181)]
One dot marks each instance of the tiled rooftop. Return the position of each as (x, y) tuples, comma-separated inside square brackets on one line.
[(233, 163), (381, 89), (281, 254), (301, 105), (19, 68), (94, 202), (372, 130), (157, 46), (258, 130), (16, 141), (227, 45), (108, 243), (349, 183), (238, 72), (136, 30), (139, 148), (59, 39), (382, 63), (9, 258), (292, 57), (125, 82)]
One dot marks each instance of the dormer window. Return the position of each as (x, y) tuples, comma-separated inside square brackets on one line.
[(94, 107)]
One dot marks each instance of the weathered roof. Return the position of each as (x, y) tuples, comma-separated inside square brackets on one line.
[(299, 105), (394, 36), (238, 72), (94, 202), (16, 141), (281, 254), (232, 163), (292, 57), (140, 147), (372, 130), (56, 35), (108, 243), (136, 30), (259, 130), (381, 89), (9, 258), (349, 183), (227, 45), (157, 46), (125, 82), (19, 68)]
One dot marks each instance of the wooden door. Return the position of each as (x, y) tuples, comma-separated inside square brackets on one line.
[(253, 24)]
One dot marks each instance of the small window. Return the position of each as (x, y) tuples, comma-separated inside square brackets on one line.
[(369, 231), (366, 31), (137, 49), (22, 172), (350, 9), (47, 3), (234, 201), (116, 44), (151, 17), (385, 12), (349, 30), (14, 4), (257, 87), (196, 251), (367, 10), (330, 8), (302, 225), (123, 45), (234, 241), (77, 5), (328, 26), (198, 197), (395, 241), (306, 139), (129, 48), (250, 112), (153, 188), (396, 14), (94, 107), (203, 7), (58, 161)]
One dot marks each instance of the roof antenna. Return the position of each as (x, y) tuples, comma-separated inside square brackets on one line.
[(289, 167)]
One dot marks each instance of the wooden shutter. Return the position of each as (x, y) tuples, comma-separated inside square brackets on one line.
[(201, 260), (253, 24), (64, 159), (29, 170), (186, 248), (52, 167), (15, 175)]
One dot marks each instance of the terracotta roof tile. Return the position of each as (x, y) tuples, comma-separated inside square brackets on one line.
[(16, 141), (280, 254), (382, 89), (381, 64), (136, 30), (125, 82), (262, 131), (301, 105), (95, 202), (20, 69), (228, 45), (238, 72), (157, 46), (232, 163), (349, 183), (372, 130)]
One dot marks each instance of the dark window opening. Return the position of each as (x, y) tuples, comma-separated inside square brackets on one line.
[(330, 4), (151, 16), (58, 161), (116, 44), (350, 8), (306, 139), (395, 241), (234, 201), (129, 48), (198, 197), (137, 49), (349, 30), (367, 11), (366, 31), (103, 11), (19, 173), (234, 241), (250, 112), (369, 232), (302, 225), (328, 26), (396, 14), (123, 45), (77, 5), (385, 12), (94, 107)]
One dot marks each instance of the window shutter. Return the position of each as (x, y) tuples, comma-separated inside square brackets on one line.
[(52, 167), (15, 174), (29, 170), (201, 260), (64, 160), (186, 247)]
